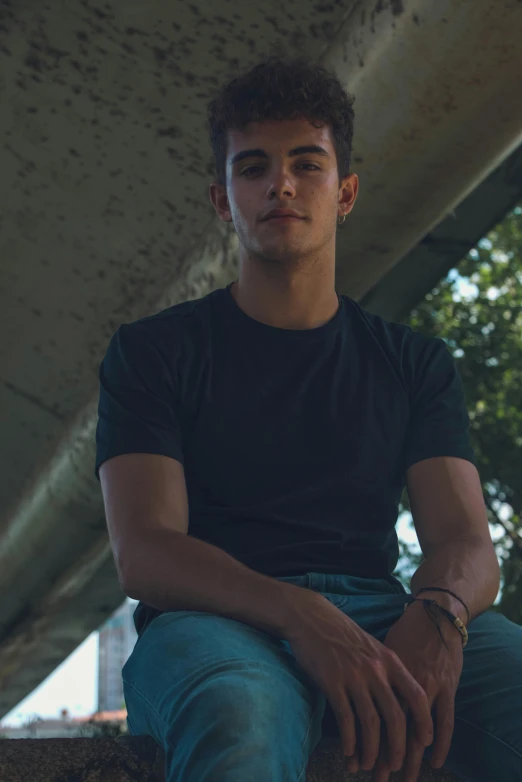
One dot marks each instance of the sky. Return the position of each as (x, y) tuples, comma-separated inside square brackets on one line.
[(73, 685)]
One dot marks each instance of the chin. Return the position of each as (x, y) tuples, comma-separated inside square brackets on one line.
[(281, 256)]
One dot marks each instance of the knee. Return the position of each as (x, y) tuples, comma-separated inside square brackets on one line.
[(238, 725), (246, 705)]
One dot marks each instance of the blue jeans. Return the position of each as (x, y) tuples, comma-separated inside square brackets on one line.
[(229, 702)]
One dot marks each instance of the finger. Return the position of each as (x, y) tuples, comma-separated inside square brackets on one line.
[(445, 723), (352, 763), (412, 764), (346, 722), (417, 701), (395, 721), (382, 770), (370, 723)]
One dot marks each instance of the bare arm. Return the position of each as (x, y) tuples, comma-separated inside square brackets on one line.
[(160, 564), (452, 526), (175, 572)]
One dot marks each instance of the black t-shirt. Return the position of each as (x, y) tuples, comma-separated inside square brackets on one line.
[(295, 443)]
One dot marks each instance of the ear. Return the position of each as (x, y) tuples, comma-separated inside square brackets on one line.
[(219, 198), (348, 192)]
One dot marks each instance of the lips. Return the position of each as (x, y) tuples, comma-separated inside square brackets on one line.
[(279, 213)]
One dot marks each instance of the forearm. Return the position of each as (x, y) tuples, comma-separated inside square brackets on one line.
[(171, 571), (467, 567)]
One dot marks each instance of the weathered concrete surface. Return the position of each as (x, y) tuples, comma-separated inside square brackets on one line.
[(125, 759), (327, 765), (139, 759), (105, 217)]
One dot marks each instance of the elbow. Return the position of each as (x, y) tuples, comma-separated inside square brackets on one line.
[(491, 567), (130, 590), (129, 587), (133, 566), (131, 593), (496, 575), (494, 564), (127, 583)]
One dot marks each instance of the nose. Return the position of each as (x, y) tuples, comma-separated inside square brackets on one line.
[(281, 186)]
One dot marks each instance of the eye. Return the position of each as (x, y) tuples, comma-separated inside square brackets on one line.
[(251, 168)]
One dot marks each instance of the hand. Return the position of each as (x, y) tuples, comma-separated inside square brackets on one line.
[(357, 673), (415, 640)]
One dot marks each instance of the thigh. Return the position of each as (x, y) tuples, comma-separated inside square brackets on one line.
[(212, 678), (487, 740)]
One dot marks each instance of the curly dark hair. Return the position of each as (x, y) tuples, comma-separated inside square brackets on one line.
[(277, 89)]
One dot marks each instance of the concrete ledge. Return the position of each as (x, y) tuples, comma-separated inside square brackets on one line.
[(124, 759), (327, 765), (139, 759)]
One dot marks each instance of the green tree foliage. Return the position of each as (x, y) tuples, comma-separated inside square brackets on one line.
[(483, 329)]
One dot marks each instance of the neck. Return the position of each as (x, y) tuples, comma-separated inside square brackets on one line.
[(301, 302)]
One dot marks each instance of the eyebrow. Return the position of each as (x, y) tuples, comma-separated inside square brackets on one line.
[(312, 148)]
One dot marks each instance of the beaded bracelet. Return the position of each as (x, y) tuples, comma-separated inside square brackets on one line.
[(453, 619)]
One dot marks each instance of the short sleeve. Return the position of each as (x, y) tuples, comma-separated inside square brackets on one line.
[(439, 420), (137, 409)]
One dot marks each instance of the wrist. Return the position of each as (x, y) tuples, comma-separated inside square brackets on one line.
[(297, 605), (446, 601), (449, 633)]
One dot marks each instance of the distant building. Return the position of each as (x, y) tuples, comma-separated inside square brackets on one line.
[(117, 638), (65, 727)]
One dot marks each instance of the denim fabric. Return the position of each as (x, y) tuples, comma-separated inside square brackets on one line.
[(229, 703)]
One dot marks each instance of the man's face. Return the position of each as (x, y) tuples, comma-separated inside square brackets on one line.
[(268, 167)]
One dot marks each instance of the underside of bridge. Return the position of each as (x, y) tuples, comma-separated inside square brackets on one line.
[(105, 218)]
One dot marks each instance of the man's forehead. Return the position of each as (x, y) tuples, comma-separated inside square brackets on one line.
[(268, 138), (287, 132)]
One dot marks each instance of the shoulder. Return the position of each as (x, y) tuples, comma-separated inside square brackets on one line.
[(161, 342), (397, 337), (412, 353), (184, 315), (167, 328)]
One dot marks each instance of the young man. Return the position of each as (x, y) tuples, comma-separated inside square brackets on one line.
[(252, 448)]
